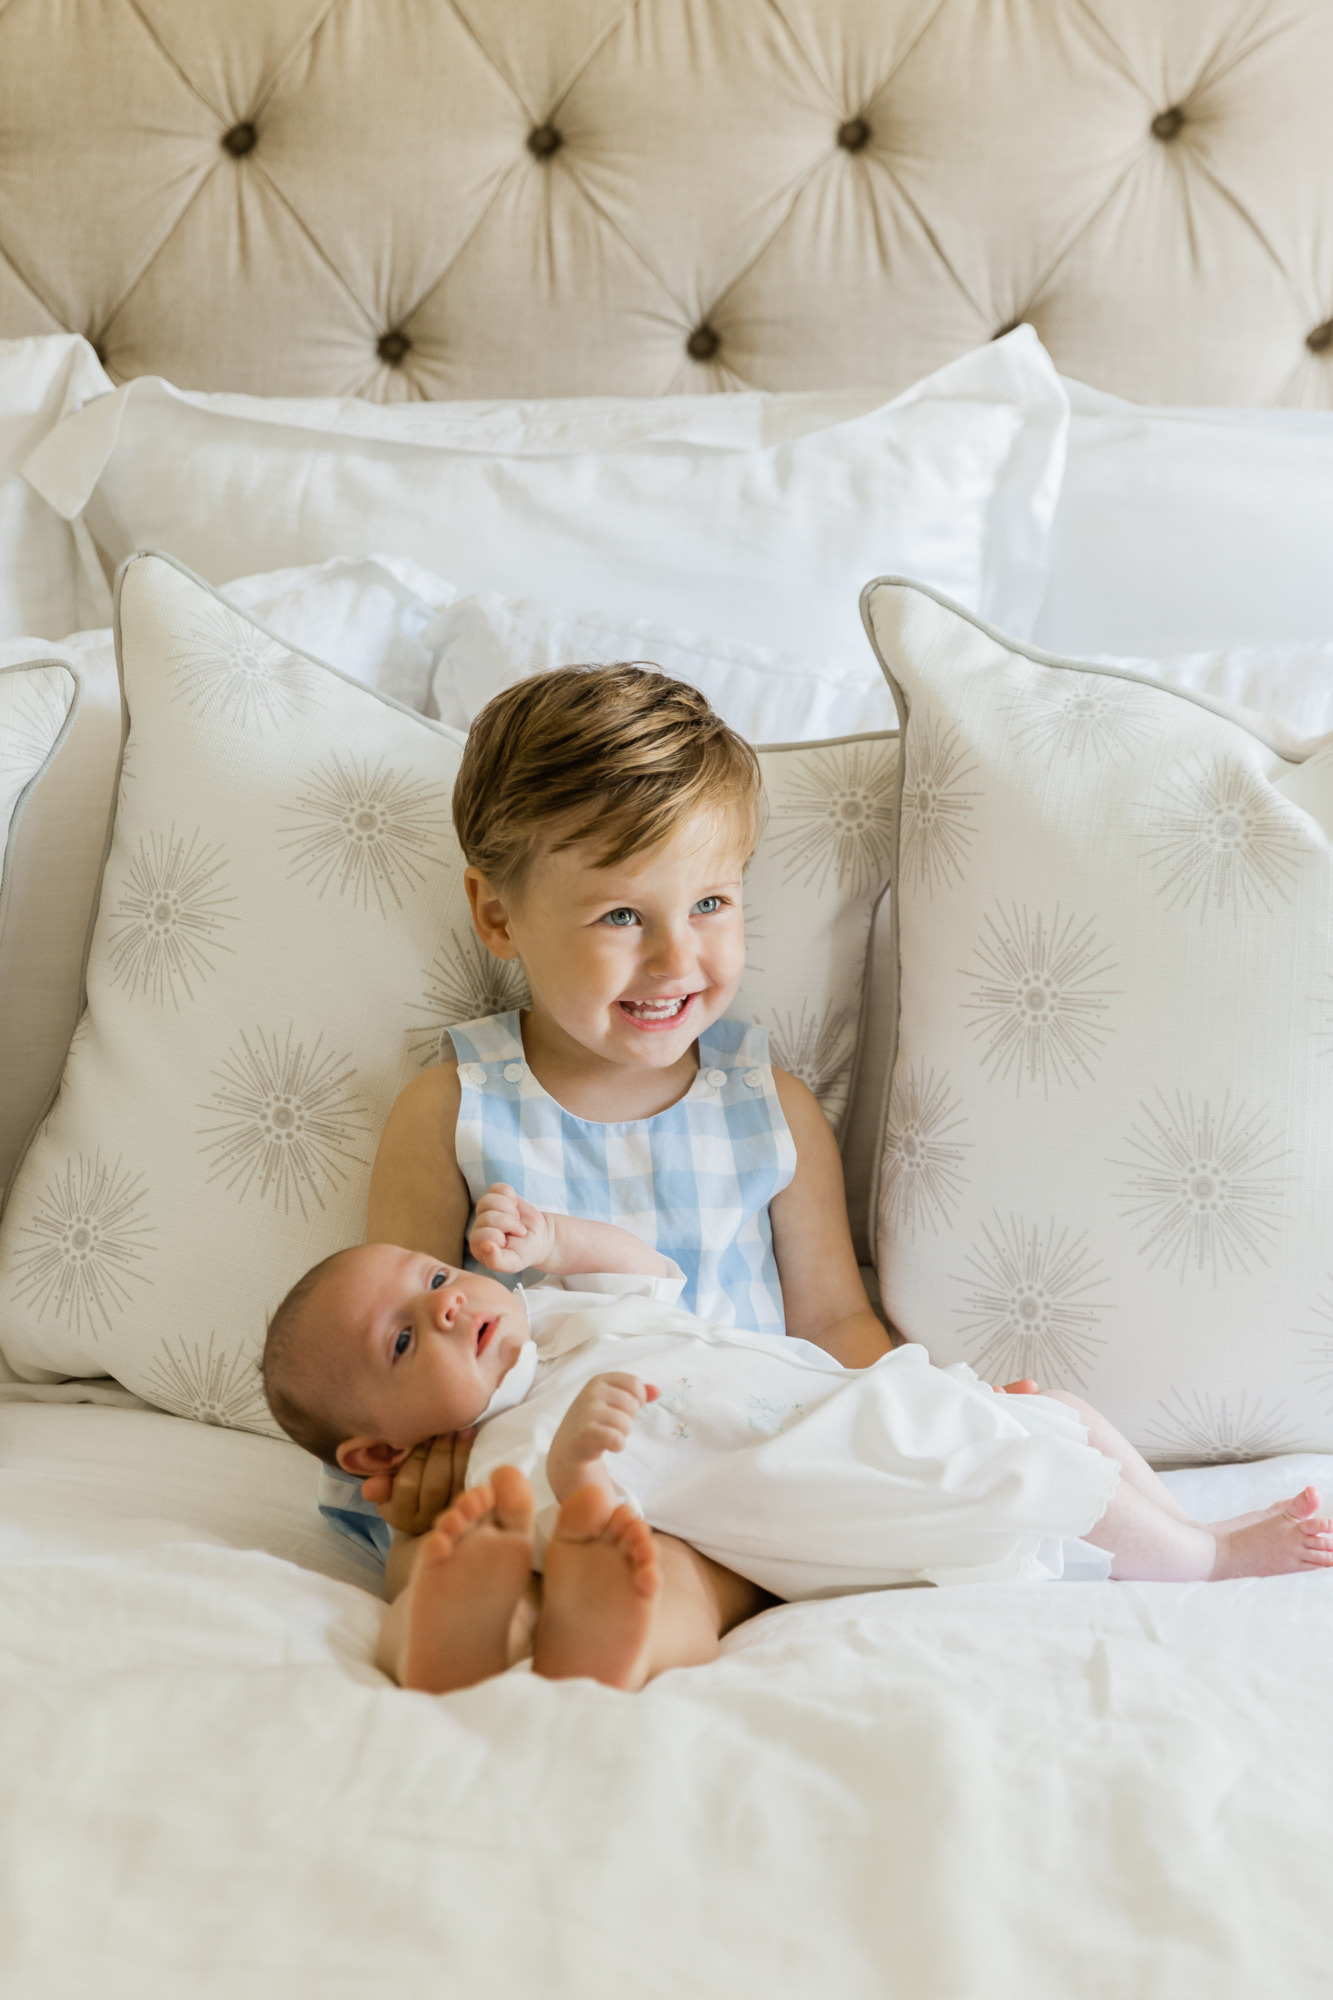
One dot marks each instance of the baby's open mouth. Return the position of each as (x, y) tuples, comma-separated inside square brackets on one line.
[(484, 1331), (657, 1013)]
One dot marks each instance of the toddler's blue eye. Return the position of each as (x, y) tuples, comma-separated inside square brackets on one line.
[(707, 904), (401, 1344), (437, 1281), (620, 919)]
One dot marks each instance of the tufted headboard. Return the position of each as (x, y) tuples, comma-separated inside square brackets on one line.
[(477, 198)]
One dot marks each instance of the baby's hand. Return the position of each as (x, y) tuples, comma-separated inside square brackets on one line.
[(599, 1419), (509, 1234)]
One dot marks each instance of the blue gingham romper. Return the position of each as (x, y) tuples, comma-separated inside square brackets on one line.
[(695, 1181)]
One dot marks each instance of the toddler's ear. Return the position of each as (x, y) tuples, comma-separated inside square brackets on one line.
[(363, 1456)]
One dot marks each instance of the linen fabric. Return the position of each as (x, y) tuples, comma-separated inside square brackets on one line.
[(807, 1477), (281, 940), (217, 1700), (695, 1181), (39, 701), (752, 517), (50, 582), (484, 643), (1108, 1147), (367, 616), (1186, 531)]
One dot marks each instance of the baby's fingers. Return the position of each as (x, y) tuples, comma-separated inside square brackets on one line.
[(488, 1245)]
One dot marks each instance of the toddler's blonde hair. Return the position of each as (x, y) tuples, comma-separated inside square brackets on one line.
[(618, 756)]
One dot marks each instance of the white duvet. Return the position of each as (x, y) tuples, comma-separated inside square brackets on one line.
[(206, 1789)]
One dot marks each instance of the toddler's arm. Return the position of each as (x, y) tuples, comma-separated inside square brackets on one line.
[(509, 1234)]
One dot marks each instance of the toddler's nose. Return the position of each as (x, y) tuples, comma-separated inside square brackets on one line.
[(670, 955)]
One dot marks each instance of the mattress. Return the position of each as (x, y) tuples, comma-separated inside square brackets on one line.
[(977, 1793)]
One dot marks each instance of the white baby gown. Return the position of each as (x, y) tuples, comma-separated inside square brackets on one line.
[(808, 1478)]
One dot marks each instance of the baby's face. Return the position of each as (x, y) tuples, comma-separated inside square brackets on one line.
[(416, 1347)]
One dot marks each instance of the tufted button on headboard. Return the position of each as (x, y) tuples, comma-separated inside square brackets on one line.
[(421, 198)]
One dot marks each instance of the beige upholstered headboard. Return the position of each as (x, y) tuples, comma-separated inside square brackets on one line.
[(439, 198)]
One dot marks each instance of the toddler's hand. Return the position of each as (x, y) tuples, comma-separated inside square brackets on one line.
[(508, 1233), (428, 1480), (599, 1419)]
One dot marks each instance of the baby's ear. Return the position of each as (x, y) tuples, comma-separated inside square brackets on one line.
[(363, 1456)]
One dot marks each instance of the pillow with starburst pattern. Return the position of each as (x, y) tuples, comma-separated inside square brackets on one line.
[(1108, 1140), (282, 936)]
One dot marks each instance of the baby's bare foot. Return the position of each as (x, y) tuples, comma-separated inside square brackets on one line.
[(597, 1606), (472, 1571), (1289, 1537)]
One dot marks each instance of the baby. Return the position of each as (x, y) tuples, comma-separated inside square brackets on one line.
[(800, 1475)]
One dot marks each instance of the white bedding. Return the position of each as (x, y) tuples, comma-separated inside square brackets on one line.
[(1114, 1790)]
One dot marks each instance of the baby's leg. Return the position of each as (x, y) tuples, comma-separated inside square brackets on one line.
[(622, 1604), (1134, 1468), (1152, 1540), (467, 1608)]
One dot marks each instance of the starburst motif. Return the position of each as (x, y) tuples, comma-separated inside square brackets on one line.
[(208, 1385), (1030, 1306), (817, 1048), (1220, 837), (923, 1155), (1199, 1429), (166, 923), (1038, 1006), (834, 821), (89, 1237), (465, 982), (937, 807), (291, 1121), (31, 718), (232, 670), (364, 830), (1320, 1339), (1086, 718), (1205, 1191)]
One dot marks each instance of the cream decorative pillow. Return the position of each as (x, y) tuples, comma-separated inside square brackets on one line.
[(282, 936), (38, 698), (1108, 1155)]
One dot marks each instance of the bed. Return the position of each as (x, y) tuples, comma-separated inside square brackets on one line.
[(725, 227)]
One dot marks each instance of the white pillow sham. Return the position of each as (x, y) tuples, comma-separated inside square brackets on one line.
[(1108, 1144), (1187, 531), (484, 643), (50, 580), (755, 518), (282, 935)]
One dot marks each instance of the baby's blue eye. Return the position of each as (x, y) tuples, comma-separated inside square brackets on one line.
[(437, 1281), (706, 905), (620, 919), (401, 1344)]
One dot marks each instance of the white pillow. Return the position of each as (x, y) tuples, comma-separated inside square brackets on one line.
[(50, 581), (1108, 1154), (282, 935), (755, 518), (369, 616), (1185, 531), (484, 643)]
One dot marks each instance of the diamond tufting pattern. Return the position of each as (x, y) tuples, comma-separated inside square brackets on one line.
[(406, 199)]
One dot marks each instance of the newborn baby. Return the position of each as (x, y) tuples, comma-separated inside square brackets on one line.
[(766, 1454)]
